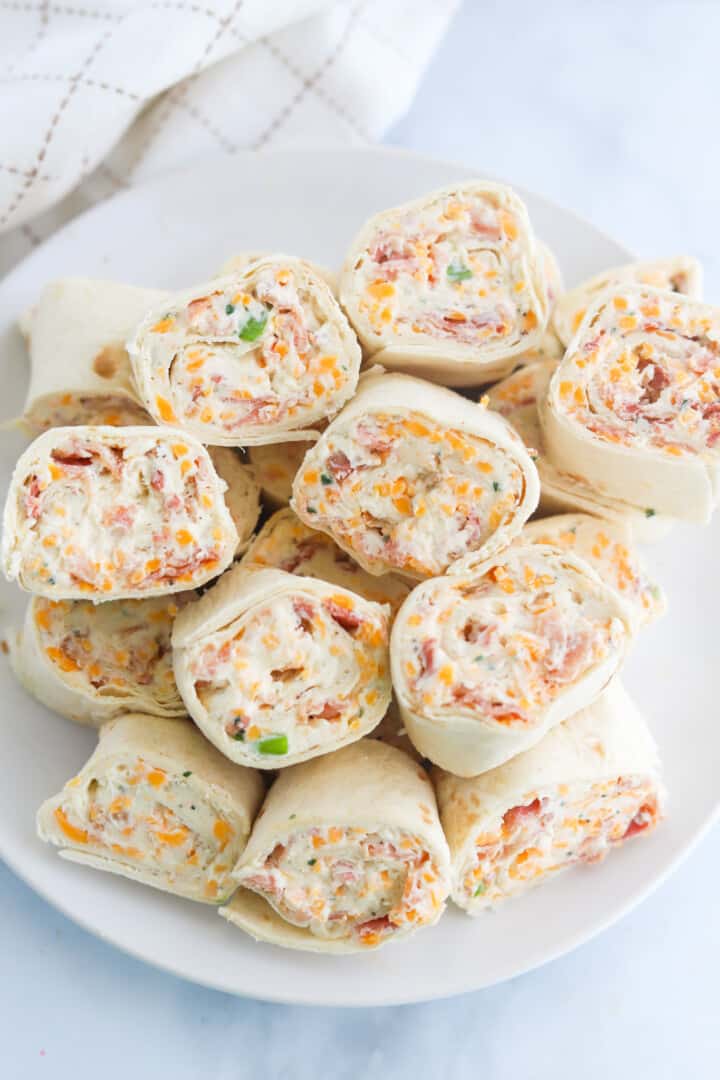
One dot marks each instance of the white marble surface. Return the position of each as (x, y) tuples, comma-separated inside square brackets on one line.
[(609, 109)]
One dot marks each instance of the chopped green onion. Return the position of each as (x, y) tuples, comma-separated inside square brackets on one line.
[(229, 308), (292, 816), (496, 485), (480, 889), (457, 272), (325, 479), (274, 744), (239, 735), (253, 328), (650, 512), (478, 658), (311, 510), (188, 773), (311, 862)]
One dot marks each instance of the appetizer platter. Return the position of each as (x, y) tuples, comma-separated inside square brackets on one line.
[(359, 583)]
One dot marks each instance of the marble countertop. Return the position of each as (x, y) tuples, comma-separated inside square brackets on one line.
[(610, 110)]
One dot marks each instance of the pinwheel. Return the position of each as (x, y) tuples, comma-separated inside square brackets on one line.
[(411, 477), (484, 664), (91, 662), (635, 403), (275, 668), (107, 513), (590, 785), (451, 286), (258, 356), (157, 804), (347, 855)]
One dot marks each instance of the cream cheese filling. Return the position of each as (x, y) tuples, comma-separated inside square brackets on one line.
[(145, 817), (340, 882), (408, 493), (550, 830), (293, 674)]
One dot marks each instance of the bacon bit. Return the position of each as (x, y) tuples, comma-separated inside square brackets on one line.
[(644, 817), (486, 230), (427, 657), (71, 460), (121, 517), (655, 385), (338, 464), (343, 616), (476, 632), (517, 814), (371, 932), (328, 712), (305, 613)]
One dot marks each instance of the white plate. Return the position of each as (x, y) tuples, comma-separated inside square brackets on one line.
[(177, 231)]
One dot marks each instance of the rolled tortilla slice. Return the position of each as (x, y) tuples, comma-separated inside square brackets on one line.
[(90, 662), (592, 783), (285, 543), (517, 399), (413, 478), (681, 274), (242, 497), (450, 287), (259, 356), (79, 368), (157, 804), (275, 467), (104, 513), (276, 669), (635, 402), (485, 664), (347, 854), (607, 546)]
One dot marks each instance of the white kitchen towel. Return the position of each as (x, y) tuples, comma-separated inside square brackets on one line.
[(95, 96)]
